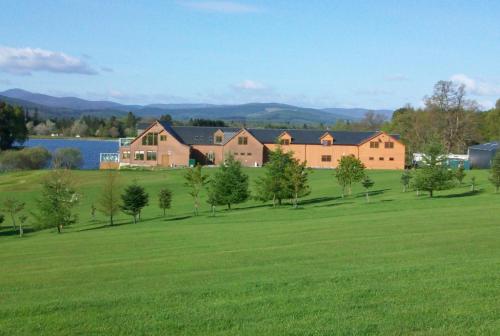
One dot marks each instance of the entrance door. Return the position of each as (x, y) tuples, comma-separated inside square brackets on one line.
[(165, 160)]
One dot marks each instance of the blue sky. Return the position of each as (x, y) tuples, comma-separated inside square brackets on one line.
[(374, 54)]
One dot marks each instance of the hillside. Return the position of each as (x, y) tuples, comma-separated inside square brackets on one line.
[(399, 265), (50, 106)]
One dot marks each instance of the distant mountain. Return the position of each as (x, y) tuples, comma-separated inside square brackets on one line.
[(49, 106)]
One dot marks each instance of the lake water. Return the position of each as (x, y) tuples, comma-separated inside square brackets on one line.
[(90, 148)]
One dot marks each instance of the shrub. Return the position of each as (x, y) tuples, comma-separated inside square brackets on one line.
[(24, 159), (67, 158)]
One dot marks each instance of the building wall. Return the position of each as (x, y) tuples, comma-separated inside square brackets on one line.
[(251, 154), (200, 153), (169, 153), (380, 158)]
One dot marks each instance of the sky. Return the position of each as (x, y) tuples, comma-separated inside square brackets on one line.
[(372, 54)]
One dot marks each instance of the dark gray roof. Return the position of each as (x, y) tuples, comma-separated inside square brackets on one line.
[(489, 146), (200, 135)]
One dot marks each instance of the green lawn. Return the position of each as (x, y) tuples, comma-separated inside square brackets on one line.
[(400, 265)]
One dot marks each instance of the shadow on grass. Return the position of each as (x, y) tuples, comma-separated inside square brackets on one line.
[(371, 193), (333, 204), (465, 194), (319, 200), (7, 232)]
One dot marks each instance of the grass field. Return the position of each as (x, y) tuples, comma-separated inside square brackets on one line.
[(400, 265)]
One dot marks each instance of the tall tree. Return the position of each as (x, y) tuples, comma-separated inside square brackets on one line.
[(57, 200), (195, 181), (164, 200), (275, 184), (229, 185), (350, 170), (13, 207), (298, 174), (12, 125), (495, 171), (109, 200), (134, 199), (434, 174)]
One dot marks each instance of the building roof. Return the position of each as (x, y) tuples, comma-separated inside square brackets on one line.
[(203, 135), (489, 146)]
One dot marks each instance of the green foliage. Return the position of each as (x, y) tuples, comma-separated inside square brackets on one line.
[(405, 179), (58, 198), (434, 174), (164, 199), (350, 170), (12, 126), (109, 199), (275, 184), (2, 218), (297, 173), (495, 171), (195, 181), (13, 207), (367, 183), (134, 198), (24, 159), (473, 183), (460, 174), (229, 185), (67, 158)]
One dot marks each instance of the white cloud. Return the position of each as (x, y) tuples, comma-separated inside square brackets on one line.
[(25, 61), (396, 78), (477, 87), (249, 84), (230, 7)]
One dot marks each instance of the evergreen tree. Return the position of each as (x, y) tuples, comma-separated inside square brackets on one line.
[(405, 179), (109, 201), (195, 181), (57, 200), (297, 173), (495, 171), (134, 198), (275, 184), (367, 184), (229, 184), (460, 174), (350, 170), (164, 199), (12, 125), (434, 174)]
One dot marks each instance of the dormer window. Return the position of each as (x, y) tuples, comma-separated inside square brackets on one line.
[(218, 139), (326, 142), (285, 142)]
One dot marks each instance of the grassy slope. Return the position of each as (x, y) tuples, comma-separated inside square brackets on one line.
[(399, 265)]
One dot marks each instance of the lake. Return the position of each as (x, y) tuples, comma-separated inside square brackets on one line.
[(90, 148)]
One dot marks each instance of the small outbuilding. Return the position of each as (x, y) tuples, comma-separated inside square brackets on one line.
[(481, 156)]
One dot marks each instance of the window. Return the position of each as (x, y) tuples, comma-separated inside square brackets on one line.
[(249, 154), (151, 155), (326, 158), (139, 155), (242, 154), (391, 159), (326, 142), (389, 144), (218, 139), (371, 158), (285, 142), (235, 154), (150, 139), (126, 155), (163, 137), (210, 156), (242, 140), (373, 144), (381, 158)]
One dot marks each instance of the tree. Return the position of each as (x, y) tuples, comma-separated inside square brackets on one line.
[(229, 184), (12, 126), (195, 181), (57, 200), (13, 207), (297, 174), (460, 174), (473, 184), (24, 159), (67, 158), (134, 198), (164, 199), (109, 201), (405, 180), (275, 184), (350, 170), (434, 175), (367, 184), (495, 172)]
